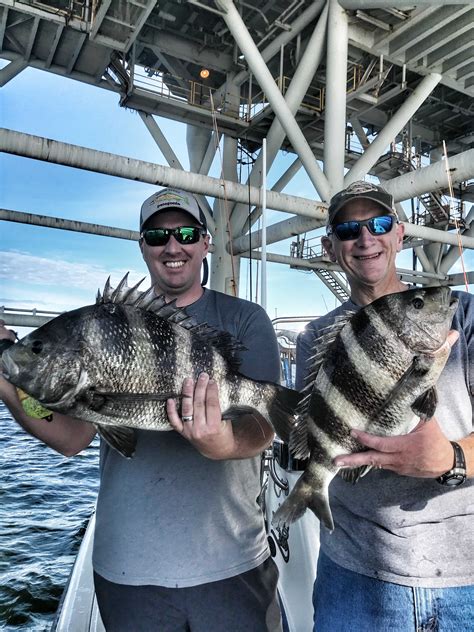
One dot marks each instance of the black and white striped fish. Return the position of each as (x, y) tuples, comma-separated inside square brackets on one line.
[(116, 363), (373, 370)]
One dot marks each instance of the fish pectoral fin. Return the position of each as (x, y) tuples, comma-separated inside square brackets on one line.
[(121, 438), (419, 367), (425, 405), (353, 474)]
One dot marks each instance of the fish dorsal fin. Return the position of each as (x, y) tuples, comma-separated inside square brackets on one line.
[(321, 345), (223, 342), (123, 294), (298, 443)]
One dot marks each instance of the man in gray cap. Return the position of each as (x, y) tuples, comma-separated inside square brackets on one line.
[(400, 557), (180, 543)]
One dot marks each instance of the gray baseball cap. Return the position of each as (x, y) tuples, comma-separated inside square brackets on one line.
[(361, 190), (168, 199)]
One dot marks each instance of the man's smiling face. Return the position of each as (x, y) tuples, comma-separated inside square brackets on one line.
[(368, 260), (175, 268)]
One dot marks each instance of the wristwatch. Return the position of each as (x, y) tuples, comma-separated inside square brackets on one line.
[(457, 474)]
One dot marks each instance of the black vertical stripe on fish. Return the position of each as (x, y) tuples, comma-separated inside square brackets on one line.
[(378, 344), (346, 378), (334, 429)]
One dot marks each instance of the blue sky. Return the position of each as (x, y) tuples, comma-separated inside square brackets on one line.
[(57, 270)]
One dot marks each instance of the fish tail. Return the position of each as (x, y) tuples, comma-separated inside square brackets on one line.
[(303, 496), (281, 413)]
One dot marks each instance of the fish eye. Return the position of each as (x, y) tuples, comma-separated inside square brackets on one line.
[(37, 346), (418, 303)]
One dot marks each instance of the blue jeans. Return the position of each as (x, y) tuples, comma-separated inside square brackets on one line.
[(345, 601)]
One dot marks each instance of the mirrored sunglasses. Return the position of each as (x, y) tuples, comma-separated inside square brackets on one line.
[(345, 231), (183, 234)]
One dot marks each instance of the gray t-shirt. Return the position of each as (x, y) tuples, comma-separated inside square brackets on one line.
[(405, 530), (171, 517)]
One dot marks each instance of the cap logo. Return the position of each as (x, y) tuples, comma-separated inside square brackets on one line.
[(171, 197), (356, 188)]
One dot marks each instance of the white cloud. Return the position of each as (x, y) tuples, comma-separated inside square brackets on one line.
[(40, 282)]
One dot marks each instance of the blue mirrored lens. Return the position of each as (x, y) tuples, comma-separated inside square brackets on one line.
[(380, 225)]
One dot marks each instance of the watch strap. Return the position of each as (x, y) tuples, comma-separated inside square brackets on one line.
[(457, 474)]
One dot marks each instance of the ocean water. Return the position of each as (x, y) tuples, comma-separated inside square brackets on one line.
[(45, 503)]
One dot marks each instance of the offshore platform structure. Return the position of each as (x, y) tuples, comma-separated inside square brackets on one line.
[(349, 89)]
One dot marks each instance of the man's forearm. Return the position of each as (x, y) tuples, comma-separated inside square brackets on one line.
[(64, 434)]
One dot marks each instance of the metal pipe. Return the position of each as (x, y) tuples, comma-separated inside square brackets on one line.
[(275, 98), (454, 252), (48, 221), (335, 105), (276, 232), (29, 146), (273, 48), (432, 177), (294, 95), (422, 277), (392, 128), (381, 4), (161, 140), (263, 289)]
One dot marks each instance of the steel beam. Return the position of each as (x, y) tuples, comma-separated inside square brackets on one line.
[(275, 98), (335, 105), (392, 129), (297, 89), (48, 150)]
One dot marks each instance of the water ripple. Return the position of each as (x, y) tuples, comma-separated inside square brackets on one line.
[(45, 502)]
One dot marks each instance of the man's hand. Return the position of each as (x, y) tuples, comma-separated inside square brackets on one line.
[(425, 452), (6, 334), (201, 419)]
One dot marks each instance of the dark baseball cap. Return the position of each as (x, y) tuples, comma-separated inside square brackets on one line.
[(361, 190), (168, 199)]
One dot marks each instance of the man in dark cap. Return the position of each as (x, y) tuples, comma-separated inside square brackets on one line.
[(400, 557), (180, 543)]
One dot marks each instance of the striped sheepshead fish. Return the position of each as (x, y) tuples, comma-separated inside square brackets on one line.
[(373, 370), (116, 363)]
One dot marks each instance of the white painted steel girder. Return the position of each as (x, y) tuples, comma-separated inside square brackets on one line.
[(432, 177), (335, 106), (393, 127), (275, 98), (295, 93), (39, 148), (301, 22)]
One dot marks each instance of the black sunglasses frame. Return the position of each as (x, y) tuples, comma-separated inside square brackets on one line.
[(163, 235), (355, 226)]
